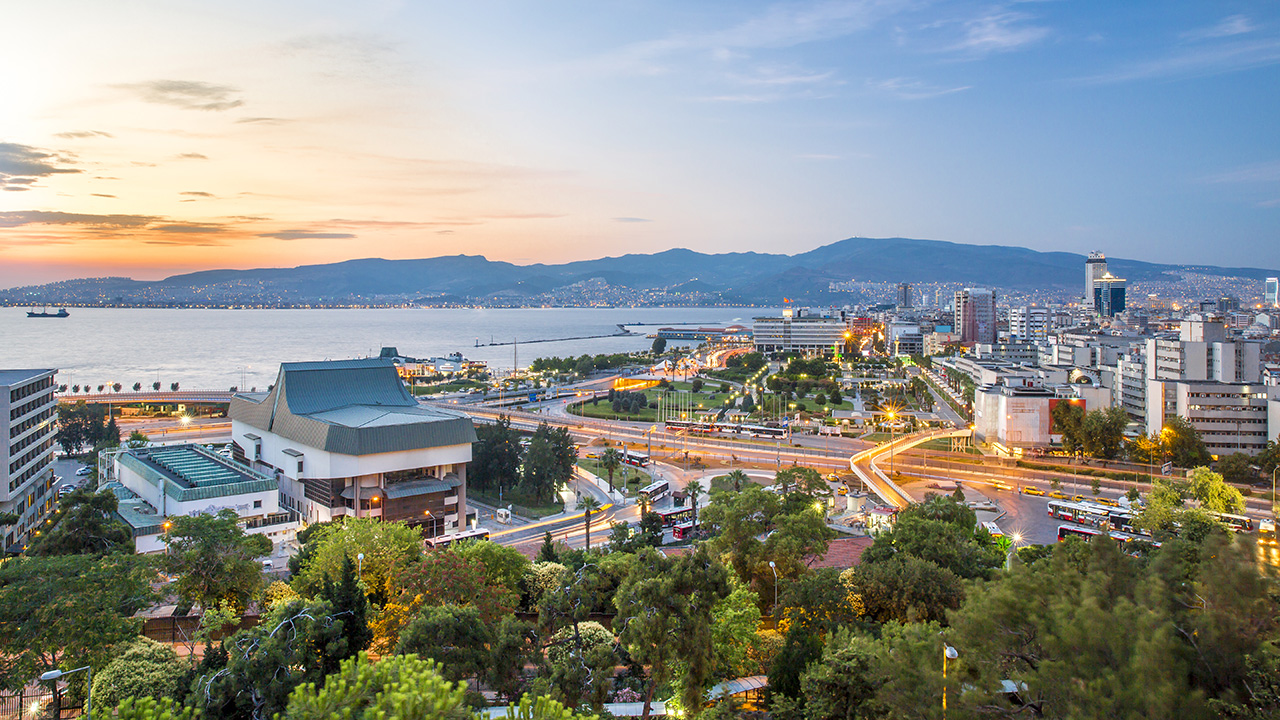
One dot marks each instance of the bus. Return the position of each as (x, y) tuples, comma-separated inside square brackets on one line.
[(631, 457), (1087, 533), (1080, 512), (675, 516), (1267, 531), (762, 431), (654, 491), (444, 541), (682, 530), (1238, 523)]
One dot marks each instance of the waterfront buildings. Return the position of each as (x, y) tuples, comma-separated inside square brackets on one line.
[(30, 412), (975, 315), (153, 484), (345, 438), (801, 330)]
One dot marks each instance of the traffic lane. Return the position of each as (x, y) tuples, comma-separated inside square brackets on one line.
[(1025, 515)]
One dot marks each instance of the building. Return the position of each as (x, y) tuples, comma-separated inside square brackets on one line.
[(153, 484), (345, 438), (1108, 295), (1094, 268), (799, 330), (975, 315), (1271, 294), (26, 451), (935, 343), (1015, 352), (1202, 352), (904, 295), (1230, 417), (1029, 324), (1129, 389), (1014, 417)]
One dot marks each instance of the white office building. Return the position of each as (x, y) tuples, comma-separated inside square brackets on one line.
[(798, 330), (30, 412), (1029, 324), (1095, 267), (1271, 294)]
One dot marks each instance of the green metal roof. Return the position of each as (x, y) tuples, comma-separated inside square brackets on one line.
[(190, 472), (351, 407)]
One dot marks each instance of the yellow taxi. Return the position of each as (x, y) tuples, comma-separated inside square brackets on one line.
[(1032, 491), (1106, 501), (1001, 485), (1058, 495), (842, 490)]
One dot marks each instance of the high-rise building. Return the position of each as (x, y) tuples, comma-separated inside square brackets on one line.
[(1094, 268), (28, 410), (1272, 296), (1108, 295), (904, 295), (975, 315), (1029, 324)]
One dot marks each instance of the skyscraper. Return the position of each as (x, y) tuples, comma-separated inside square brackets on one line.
[(1095, 267), (904, 295), (1273, 292), (975, 315), (1108, 295)]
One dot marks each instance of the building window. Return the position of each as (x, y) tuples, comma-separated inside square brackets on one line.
[(257, 504)]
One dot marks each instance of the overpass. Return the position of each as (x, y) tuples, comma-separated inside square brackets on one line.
[(865, 464), (166, 397)]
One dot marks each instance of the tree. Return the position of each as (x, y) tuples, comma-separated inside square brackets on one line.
[(665, 606), (351, 605), (844, 682), (1067, 419), (580, 658), (329, 546), (659, 346), (514, 645), (905, 589), (548, 462), (137, 386), (1183, 443), (696, 385), (734, 637), (589, 505), (1103, 432), (547, 550), (214, 559), (941, 531), (1237, 469), (117, 387), (1213, 493), (819, 601), (738, 478), (610, 461), (453, 635), (137, 440), (173, 387), (67, 611), (503, 565), (156, 386), (146, 708), (297, 643), (496, 456), (694, 489), (144, 668), (84, 524), (438, 578)]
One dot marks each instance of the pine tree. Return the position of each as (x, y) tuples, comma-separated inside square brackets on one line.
[(350, 606)]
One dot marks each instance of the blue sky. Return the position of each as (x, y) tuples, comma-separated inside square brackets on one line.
[(159, 137)]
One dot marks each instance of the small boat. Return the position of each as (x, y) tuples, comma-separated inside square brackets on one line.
[(44, 313)]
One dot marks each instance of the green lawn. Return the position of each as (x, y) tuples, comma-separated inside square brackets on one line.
[(520, 504), (605, 411), (624, 476)]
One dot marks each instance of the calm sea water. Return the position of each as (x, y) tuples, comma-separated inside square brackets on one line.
[(211, 349)]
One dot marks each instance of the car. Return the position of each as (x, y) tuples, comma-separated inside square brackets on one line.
[(64, 489), (1032, 491), (1077, 498), (1058, 495), (1107, 501), (842, 490), (1001, 485), (84, 471)]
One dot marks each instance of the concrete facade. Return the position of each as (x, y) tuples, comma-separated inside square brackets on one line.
[(30, 412)]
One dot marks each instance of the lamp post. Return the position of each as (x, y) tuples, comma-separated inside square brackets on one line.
[(53, 675), (360, 565), (891, 416), (774, 568), (948, 653)]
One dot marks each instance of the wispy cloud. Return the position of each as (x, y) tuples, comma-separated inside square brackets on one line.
[(262, 121), (1224, 56), (632, 220), (1265, 172), (22, 165), (79, 134), (784, 76), (190, 228), (911, 89), (43, 217), (304, 235), (196, 193), (1227, 27), (186, 94), (1001, 30), (103, 195), (191, 156)]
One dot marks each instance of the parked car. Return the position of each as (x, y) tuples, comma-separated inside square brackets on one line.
[(84, 471), (1032, 491)]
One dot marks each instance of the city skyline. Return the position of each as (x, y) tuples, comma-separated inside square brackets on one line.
[(159, 138)]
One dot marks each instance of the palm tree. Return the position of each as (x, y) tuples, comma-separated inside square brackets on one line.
[(137, 386), (737, 477), (589, 504), (610, 460), (694, 489)]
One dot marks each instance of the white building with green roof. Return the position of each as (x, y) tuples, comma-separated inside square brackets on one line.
[(156, 483), (346, 439)]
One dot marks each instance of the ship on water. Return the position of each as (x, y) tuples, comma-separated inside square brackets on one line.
[(44, 313)]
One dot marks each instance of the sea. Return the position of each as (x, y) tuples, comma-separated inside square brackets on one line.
[(209, 349)]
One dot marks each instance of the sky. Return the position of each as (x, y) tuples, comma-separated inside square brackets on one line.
[(145, 139)]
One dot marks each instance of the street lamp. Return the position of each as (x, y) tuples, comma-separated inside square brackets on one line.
[(774, 568), (948, 653), (360, 564), (55, 674)]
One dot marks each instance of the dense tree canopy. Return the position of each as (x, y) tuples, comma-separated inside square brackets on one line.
[(214, 559), (84, 523)]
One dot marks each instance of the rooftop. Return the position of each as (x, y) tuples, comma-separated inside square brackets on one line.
[(352, 407), (191, 472), (19, 377)]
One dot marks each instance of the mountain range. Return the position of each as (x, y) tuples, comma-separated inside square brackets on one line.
[(747, 278)]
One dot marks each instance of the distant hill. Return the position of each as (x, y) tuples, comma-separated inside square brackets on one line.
[(749, 278)]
